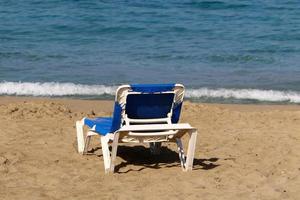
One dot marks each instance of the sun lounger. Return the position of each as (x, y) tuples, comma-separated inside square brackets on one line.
[(143, 113)]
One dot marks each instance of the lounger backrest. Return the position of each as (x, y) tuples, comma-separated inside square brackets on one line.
[(149, 105), (140, 106)]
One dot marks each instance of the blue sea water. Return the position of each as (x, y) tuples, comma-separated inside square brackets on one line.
[(230, 50)]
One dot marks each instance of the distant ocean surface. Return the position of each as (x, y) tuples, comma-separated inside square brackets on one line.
[(231, 51)]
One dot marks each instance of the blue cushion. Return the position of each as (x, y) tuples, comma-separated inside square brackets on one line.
[(102, 125)]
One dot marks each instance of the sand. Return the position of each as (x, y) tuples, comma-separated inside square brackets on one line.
[(243, 152)]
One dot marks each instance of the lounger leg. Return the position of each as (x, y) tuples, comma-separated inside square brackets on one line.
[(80, 136), (87, 143), (114, 151), (105, 153), (191, 150), (180, 153), (155, 148)]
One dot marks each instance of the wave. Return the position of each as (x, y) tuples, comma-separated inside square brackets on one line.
[(246, 94), (53, 89), (71, 89)]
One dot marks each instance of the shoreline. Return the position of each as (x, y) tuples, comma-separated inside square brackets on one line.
[(109, 103)]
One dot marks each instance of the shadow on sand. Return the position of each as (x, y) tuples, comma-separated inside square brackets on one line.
[(140, 156)]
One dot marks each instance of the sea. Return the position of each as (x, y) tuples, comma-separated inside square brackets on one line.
[(229, 51)]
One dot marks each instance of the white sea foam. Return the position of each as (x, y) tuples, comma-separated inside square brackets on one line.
[(251, 94), (64, 89), (53, 89)]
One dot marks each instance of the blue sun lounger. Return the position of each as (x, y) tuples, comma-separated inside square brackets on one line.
[(143, 113)]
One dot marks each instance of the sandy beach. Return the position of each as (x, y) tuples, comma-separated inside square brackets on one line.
[(243, 152)]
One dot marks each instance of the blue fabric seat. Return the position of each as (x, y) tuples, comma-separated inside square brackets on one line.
[(102, 125)]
